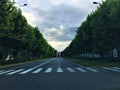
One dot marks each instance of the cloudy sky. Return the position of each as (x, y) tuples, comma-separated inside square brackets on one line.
[(57, 19)]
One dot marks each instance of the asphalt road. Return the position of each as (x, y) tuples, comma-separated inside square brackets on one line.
[(58, 74)]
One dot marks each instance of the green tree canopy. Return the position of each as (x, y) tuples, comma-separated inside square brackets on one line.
[(99, 33), (18, 39)]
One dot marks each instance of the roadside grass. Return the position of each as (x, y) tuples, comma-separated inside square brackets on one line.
[(13, 64), (20, 63), (95, 63)]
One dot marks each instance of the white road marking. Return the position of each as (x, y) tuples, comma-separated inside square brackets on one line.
[(5, 72), (37, 71), (116, 68), (2, 71), (59, 69), (111, 69), (43, 63), (11, 73), (70, 69), (26, 71), (80, 69), (48, 70), (93, 70), (103, 70)]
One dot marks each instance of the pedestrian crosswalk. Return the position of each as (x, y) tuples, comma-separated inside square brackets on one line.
[(57, 70)]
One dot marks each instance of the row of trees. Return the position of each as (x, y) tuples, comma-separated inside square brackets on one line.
[(99, 34), (18, 39)]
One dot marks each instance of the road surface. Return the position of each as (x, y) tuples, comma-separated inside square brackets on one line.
[(58, 74)]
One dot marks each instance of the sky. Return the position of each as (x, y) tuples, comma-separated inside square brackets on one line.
[(57, 20)]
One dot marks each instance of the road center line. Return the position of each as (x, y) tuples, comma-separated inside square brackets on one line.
[(43, 63)]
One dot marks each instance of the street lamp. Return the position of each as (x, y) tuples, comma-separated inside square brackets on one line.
[(96, 2), (23, 5), (20, 5)]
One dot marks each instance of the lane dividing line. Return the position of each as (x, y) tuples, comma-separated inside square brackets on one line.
[(48, 70), (37, 71), (43, 64), (11, 73), (93, 70), (59, 69), (80, 69), (70, 69)]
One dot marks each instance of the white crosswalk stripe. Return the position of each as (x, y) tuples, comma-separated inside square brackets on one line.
[(116, 68), (93, 70), (48, 70), (59, 69), (103, 70), (80, 69), (1, 71), (37, 71), (26, 71), (111, 69), (4, 72), (70, 69), (11, 73)]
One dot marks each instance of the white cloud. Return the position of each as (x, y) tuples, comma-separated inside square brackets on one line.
[(30, 18), (59, 45), (61, 27), (57, 19)]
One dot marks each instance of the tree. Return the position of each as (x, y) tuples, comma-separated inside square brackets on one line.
[(99, 33), (18, 39), (5, 26)]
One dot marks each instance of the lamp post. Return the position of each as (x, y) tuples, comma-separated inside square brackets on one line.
[(96, 3), (10, 8), (13, 2)]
